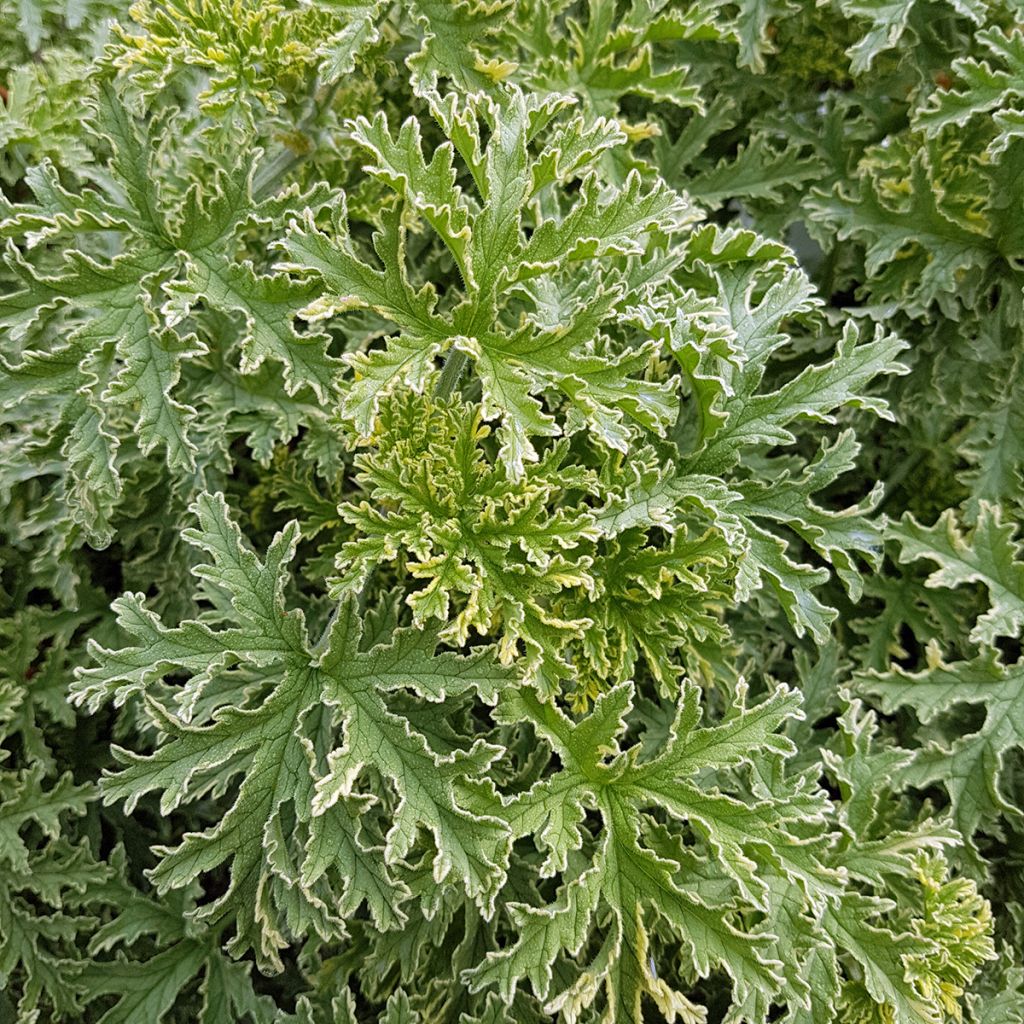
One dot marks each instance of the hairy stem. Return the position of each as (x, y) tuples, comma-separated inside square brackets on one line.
[(450, 374)]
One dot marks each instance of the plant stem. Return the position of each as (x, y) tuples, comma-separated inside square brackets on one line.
[(453, 367)]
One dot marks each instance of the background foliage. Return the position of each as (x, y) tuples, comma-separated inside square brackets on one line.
[(511, 511)]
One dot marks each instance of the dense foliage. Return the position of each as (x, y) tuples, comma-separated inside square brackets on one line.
[(511, 511)]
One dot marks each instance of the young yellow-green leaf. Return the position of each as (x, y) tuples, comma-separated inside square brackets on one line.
[(488, 553)]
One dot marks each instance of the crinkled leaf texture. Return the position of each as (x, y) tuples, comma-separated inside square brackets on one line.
[(517, 242), (511, 512), (302, 739)]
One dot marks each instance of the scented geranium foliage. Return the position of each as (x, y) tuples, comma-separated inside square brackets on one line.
[(511, 512)]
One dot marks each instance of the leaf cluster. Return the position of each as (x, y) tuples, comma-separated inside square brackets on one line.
[(511, 512)]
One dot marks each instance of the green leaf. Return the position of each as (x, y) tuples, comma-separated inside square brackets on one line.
[(565, 262), (971, 764), (989, 555), (24, 800), (450, 34), (759, 171), (301, 750), (122, 355), (625, 877), (726, 350), (918, 250), (753, 19), (984, 88), (340, 52)]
